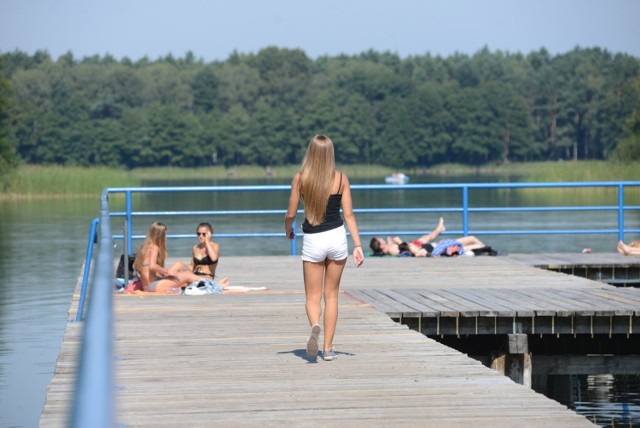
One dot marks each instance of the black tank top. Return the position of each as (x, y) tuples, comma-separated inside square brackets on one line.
[(332, 218)]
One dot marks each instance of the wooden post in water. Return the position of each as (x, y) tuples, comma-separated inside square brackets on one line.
[(516, 363)]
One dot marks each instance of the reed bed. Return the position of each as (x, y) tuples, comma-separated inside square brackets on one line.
[(580, 171), (48, 182)]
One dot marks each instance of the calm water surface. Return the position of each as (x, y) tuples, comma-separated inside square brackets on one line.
[(43, 243)]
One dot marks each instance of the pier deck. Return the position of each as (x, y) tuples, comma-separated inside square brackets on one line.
[(239, 359)]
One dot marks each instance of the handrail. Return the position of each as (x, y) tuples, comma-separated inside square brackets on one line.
[(93, 403), (87, 269), (94, 393)]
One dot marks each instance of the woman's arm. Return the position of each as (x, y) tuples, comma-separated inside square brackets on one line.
[(350, 219), (152, 263), (292, 209), (212, 248)]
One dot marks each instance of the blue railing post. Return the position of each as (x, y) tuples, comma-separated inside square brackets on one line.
[(620, 212), (465, 210), (128, 210), (87, 268)]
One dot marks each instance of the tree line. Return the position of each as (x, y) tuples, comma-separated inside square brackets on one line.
[(262, 108)]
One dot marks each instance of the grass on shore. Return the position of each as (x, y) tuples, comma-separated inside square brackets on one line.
[(546, 172), (50, 182), (34, 181)]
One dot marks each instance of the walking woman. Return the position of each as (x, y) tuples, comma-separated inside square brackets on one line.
[(324, 249)]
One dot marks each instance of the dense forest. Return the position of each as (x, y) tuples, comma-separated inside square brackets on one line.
[(262, 108)]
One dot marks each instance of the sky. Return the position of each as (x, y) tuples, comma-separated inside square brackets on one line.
[(213, 29)]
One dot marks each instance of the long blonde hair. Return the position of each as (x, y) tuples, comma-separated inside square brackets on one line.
[(157, 235), (316, 177)]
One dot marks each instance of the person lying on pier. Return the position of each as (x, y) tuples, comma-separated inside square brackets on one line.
[(150, 264), (463, 246), (394, 246), (631, 249), (205, 254), (424, 247)]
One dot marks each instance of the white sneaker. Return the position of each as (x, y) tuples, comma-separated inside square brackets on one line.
[(312, 343), (329, 355)]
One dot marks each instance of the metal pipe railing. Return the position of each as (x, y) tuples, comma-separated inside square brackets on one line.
[(93, 402), (87, 268)]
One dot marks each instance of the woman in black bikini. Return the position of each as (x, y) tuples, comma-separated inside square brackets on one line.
[(205, 254)]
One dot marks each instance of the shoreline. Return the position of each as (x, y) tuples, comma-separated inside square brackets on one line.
[(36, 182)]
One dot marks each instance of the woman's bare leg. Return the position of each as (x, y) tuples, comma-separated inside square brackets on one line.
[(333, 275), (470, 243), (425, 239), (628, 250), (177, 267), (313, 278), (166, 286)]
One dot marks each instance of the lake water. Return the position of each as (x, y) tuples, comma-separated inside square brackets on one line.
[(43, 243)]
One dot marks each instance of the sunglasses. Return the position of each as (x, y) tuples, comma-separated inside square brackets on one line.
[(202, 233)]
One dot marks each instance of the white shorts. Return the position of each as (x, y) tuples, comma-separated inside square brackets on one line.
[(332, 245)]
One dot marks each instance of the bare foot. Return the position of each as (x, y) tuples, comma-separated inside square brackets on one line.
[(622, 248), (441, 227), (224, 282)]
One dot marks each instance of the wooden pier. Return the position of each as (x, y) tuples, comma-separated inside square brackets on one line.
[(239, 359)]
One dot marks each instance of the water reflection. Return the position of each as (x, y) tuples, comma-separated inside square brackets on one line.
[(607, 400), (41, 248)]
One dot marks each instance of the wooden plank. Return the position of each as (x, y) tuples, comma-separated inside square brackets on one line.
[(388, 305), (465, 307), (548, 303), (499, 309), (425, 311), (511, 299), (597, 305), (438, 309), (452, 304)]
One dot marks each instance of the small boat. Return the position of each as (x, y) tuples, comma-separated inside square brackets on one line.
[(396, 178)]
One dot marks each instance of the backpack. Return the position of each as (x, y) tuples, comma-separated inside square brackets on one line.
[(120, 270)]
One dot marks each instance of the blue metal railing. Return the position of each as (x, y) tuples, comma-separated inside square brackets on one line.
[(93, 402), (94, 383)]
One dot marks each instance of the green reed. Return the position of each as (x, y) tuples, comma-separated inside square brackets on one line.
[(579, 171), (35, 181)]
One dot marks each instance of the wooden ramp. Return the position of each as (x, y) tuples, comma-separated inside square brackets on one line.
[(239, 360)]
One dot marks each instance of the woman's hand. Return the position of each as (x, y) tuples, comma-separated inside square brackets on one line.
[(204, 238), (358, 256), (290, 233)]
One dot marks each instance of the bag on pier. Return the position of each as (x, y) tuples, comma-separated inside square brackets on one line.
[(120, 270), (204, 286)]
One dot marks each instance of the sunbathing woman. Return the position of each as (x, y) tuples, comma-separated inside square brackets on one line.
[(631, 249), (394, 246), (449, 247), (150, 264), (205, 254)]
